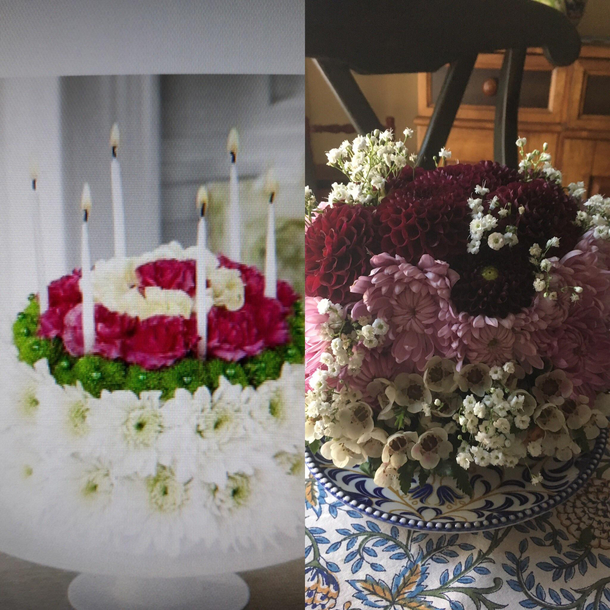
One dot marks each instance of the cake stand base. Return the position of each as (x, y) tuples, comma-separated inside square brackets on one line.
[(216, 592)]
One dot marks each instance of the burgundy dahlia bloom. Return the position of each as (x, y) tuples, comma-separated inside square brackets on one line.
[(338, 248), (548, 212), (493, 284)]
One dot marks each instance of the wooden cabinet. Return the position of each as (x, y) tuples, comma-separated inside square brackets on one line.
[(567, 107)]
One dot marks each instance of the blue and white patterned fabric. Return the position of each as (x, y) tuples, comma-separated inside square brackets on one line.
[(560, 559)]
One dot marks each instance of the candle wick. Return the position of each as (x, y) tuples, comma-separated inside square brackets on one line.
[(114, 152), (85, 215), (233, 157), (272, 198), (33, 184)]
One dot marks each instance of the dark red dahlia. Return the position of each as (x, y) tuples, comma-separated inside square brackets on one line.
[(548, 212), (493, 284), (437, 224), (338, 247)]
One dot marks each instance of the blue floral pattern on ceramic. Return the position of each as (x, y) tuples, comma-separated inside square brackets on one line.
[(559, 559), (501, 496)]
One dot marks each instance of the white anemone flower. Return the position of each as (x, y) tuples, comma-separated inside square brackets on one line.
[(125, 430), (411, 392), (576, 411), (549, 417), (387, 476), (474, 378), (398, 448), (355, 420), (432, 447), (373, 442), (522, 403), (440, 376), (384, 392), (343, 452), (553, 387)]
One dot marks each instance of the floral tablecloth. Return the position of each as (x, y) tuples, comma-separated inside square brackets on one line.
[(558, 560)]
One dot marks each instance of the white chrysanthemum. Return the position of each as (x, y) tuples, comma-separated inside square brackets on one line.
[(64, 422), (23, 388), (241, 508), (277, 406), (125, 431), (227, 288)]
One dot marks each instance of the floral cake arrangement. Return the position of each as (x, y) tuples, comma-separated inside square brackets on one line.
[(454, 317), (143, 412)]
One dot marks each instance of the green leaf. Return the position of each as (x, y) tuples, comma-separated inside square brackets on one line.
[(423, 476), (370, 467), (405, 474), (314, 446), (462, 479)]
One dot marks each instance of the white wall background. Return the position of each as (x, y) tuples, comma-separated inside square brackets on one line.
[(173, 138)]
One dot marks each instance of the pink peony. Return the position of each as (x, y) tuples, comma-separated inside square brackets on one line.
[(160, 341), (111, 330), (169, 274), (408, 298)]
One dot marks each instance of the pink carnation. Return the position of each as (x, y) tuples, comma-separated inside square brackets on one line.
[(233, 335), (408, 298), (111, 331), (160, 341), (169, 274), (64, 294)]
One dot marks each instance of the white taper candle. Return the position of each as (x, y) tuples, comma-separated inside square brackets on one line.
[(233, 230), (43, 294), (202, 315), (271, 188), (118, 207), (86, 286)]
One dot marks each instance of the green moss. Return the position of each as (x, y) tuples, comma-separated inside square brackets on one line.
[(96, 374), (187, 374), (140, 380)]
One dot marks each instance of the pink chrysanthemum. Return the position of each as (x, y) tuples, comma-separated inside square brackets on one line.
[(377, 364), (315, 344), (407, 297)]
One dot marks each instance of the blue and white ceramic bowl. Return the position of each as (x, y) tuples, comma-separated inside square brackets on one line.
[(502, 496)]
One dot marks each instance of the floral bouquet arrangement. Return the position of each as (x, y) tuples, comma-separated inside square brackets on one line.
[(454, 317), (139, 441)]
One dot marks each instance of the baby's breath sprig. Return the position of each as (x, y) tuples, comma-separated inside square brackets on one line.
[(595, 215), (537, 164), (544, 265), (368, 162), (311, 204)]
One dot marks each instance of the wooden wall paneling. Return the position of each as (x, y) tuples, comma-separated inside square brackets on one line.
[(577, 161)]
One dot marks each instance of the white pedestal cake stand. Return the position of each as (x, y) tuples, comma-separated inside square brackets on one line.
[(201, 578)]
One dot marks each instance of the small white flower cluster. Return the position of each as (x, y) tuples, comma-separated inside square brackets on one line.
[(482, 223), (537, 164), (310, 202), (544, 266), (501, 424), (168, 472), (326, 406), (368, 162), (115, 286), (596, 216)]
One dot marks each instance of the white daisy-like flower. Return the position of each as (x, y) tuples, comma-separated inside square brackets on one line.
[(355, 420), (474, 378), (64, 419), (576, 411), (278, 406), (549, 417), (125, 430)]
